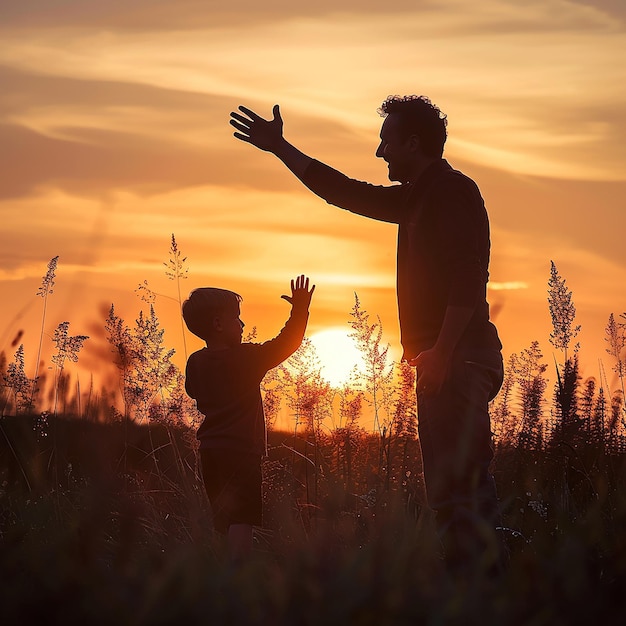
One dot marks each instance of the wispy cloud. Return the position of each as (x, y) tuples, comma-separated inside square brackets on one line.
[(533, 87), (508, 286)]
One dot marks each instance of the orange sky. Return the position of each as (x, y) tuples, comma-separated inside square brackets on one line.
[(114, 134)]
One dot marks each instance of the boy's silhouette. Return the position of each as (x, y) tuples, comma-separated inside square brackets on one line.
[(224, 379)]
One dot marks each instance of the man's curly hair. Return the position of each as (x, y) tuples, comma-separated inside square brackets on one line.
[(419, 116)]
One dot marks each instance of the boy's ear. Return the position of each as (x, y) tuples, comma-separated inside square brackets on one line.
[(217, 324)]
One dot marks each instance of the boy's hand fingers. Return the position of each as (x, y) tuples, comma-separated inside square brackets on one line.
[(299, 287), (302, 282)]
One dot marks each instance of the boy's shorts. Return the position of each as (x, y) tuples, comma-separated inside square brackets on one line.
[(232, 480)]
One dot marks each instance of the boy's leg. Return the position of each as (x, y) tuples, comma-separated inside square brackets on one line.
[(233, 484), (246, 511), (239, 542)]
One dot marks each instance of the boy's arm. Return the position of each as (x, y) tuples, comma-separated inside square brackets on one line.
[(290, 337)]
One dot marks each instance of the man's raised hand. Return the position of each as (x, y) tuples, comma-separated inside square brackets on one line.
[(252, 128)]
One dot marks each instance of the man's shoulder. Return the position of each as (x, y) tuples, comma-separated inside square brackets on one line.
[(453, 175), (450, 181)]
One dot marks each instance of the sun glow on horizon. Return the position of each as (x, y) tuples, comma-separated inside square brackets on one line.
[(339, 355)]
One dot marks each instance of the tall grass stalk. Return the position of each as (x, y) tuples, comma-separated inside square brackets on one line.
[(563, 315), (378, 370), (562, 312), (18, 383), (67, 349), (45, 289), (615, 335), (175, 269)]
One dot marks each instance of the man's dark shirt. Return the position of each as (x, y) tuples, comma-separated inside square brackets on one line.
[(443, 247)]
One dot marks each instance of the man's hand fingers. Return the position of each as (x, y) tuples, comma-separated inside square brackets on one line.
[(251, 114), (240, 118), (242, 127)]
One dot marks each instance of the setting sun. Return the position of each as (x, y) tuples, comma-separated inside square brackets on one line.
[(339, 355)]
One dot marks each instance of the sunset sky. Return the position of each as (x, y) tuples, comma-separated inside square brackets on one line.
[(114, 134)]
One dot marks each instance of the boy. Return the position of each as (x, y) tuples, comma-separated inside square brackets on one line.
[(224, 379)]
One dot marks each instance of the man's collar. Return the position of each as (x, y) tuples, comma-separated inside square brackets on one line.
[(431, 171)]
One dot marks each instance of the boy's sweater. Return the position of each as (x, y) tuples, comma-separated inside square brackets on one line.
[(226, 387)]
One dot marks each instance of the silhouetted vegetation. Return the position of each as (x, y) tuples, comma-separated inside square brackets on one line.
[(103, 517)]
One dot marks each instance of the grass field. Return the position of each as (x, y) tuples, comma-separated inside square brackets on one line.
[(108, 523)]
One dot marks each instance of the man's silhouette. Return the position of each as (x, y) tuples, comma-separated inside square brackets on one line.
[(442, 274)]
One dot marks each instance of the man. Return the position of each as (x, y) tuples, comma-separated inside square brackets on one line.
[(442, 274)]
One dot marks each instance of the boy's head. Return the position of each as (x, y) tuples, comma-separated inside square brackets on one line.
[(212, 313)]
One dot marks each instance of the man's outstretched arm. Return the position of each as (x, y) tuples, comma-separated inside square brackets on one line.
[(377, 202), (268, 135)]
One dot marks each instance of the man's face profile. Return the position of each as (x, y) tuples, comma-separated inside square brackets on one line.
[(394, 148)]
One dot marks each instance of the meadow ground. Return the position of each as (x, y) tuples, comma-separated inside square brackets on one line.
[(107, 523)]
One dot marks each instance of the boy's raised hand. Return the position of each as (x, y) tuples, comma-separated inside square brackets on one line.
[(264, 134), (300, 294)]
